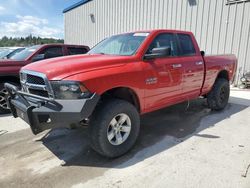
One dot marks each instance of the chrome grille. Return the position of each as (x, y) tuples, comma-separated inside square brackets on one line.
[(35, 83), (35, 80)]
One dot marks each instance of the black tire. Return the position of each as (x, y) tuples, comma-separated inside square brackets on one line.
[(217, 98), (3, 103), (100, 123)]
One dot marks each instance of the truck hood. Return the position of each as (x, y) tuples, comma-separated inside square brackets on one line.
[(62, 67)]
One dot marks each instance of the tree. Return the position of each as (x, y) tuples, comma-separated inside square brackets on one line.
[(27, 41)]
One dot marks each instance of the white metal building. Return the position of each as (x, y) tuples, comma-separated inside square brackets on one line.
[(220, 26)]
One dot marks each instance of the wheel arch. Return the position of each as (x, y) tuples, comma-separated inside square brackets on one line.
[(124, 93), (223, 74)]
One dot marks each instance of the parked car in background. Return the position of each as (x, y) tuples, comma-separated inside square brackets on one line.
[(121, 77), (3, 48), (9, 68), (7, 53)]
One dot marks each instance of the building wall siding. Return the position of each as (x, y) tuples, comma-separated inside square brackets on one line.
[(219, 28)]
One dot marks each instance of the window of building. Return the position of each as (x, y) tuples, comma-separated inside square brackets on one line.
[(236, 1)]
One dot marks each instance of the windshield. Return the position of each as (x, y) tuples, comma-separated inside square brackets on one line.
[(14, 52), (4, 53), (125, 44), (25, 53)]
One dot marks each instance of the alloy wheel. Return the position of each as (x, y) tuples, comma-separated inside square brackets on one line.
[(119, 129)]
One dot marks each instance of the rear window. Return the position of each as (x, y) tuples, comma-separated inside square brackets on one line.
[(75, 51), (186, 45)]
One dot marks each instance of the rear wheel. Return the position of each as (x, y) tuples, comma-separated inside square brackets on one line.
[(217, 98), (114, 128)]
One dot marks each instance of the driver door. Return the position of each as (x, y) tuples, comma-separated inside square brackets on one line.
[(163, 76)]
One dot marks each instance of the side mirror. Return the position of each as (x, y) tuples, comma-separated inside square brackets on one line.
[(159, 52), (202, 53), (38, 57)]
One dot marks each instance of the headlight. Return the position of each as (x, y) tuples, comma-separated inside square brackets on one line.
[(69, 90)]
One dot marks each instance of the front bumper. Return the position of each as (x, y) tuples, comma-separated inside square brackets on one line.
[(44, 113)]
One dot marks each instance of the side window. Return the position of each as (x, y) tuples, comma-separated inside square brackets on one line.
[(51, 52), (75, 50), (186, 45), (164, 40)]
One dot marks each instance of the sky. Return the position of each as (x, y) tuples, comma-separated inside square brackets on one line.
[(44, 18)]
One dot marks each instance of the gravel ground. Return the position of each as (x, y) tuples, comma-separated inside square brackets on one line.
[(177, 147)]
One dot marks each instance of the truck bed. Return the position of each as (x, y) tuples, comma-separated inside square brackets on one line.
[(213, 65)]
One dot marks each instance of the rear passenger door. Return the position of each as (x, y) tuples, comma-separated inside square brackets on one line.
[(193, 66)]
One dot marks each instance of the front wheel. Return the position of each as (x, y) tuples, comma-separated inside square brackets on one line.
[(217, 98), (114, 128)]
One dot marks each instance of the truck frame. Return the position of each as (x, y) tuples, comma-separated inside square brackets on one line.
[(121, 78)]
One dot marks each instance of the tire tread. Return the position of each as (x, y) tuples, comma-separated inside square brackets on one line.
[(100, 116)]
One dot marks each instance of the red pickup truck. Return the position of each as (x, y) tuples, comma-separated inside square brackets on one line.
[(120, 78), (9, 68)]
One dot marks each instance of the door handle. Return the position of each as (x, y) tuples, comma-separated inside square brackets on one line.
[(176, 66), (199, 63)]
